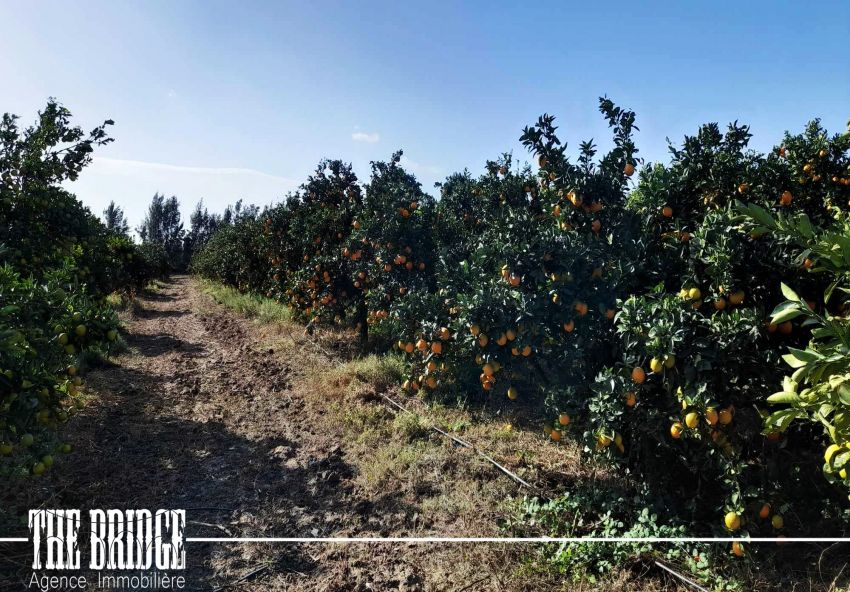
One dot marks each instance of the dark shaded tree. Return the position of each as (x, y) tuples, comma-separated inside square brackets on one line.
[(162, 225), (115, 220)]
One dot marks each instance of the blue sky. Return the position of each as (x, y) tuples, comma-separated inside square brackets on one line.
[(223, 100)]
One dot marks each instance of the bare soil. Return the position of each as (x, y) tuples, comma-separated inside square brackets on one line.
[(230, 420)]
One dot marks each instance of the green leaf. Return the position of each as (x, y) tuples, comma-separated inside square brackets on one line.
[(784, 398), (786, 315), (788, 292)]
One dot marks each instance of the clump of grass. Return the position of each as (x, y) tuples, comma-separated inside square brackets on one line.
[(253, 306)]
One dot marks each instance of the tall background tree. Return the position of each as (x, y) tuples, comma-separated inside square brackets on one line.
[(162, 226), (115, 220)]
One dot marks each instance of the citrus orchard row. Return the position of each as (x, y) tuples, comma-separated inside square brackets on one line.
[(635, 308), (58, 265)]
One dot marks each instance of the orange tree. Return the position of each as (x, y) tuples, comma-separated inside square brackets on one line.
[(393, 234), (317, 230), (58, 264), (530, 269), (236, 255), (699, 354)]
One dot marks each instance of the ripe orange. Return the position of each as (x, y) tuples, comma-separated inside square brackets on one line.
[(437, 347), (564, 419), (786, 198), (711, 416), (638, 375), (764, 512), (488, 370), (555, 435), (786, 328), (526, 351), (737, 298), (725, 416), (510, 334), (676, 430), (630, 399), (720, 303), (581, 308), (596, 226), (474, 329), (569, 326), (667, 212), (737, 549), (629, 169), (483, 340)]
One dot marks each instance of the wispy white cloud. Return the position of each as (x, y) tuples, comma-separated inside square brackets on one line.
[(419, 168), (132, 183), (117, 166), (364, 137)]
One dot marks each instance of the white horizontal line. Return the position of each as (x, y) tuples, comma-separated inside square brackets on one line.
[(516, 539), (14, 540)]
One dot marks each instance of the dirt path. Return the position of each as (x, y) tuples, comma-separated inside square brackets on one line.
[(204, 415)]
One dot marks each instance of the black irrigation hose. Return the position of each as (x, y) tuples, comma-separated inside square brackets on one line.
[(520, 480), (466, 444)]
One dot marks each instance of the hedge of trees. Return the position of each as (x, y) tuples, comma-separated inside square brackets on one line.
[(637, 309), (58, 262)]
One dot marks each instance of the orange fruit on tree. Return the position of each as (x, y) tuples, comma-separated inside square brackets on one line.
[(711, 416), (667, 212), (596, 226), (526, 351), (510, 334), (630, 399), (737, 549), (764, 512), (725, 416), (513, 394), (421, 345), (786, 198), (638, 375), (629, 169), (555, 435), (437, 347), (564, 419), (475, 329), (786, 328), (676, 430), (569, 326), (483, 340)]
